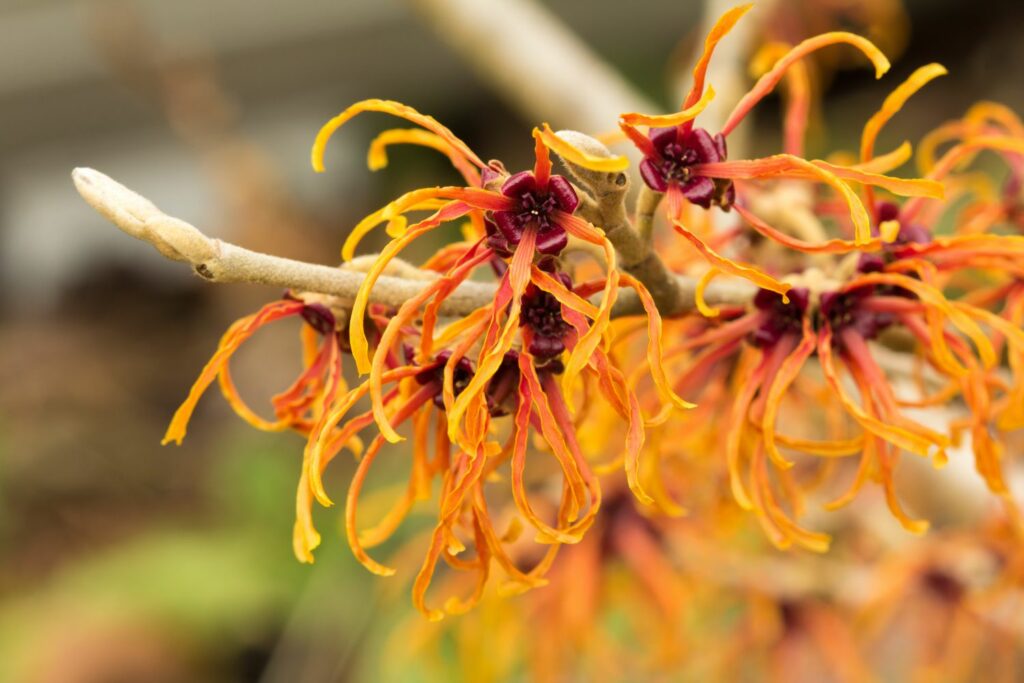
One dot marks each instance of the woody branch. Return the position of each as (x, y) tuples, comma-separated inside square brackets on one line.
[(218, 261)]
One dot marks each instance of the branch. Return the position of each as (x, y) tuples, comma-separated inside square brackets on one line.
[(635, 249), (219, 261)]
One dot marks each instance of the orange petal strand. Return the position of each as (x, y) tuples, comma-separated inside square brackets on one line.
[(351, 503), (788, 166), (515, 281), (305, 538), (737, 426), (994, 112), (883, 163), (827, 449), (242, 409), (377, 155), (833, 246), (768, 81), (655, 352), (903, 187), (456, 276), (387, 107), (902, 438), (412, 404), (665, 120), (580, 356), (564, 296), (357, 333), (385, 214), (754, 275), (798, 94), (721, 28), (937, 302), (642, 142), (577, 156), (787, 372), (390, 335), (1015, 340), (698, 294), (426, 572), (542, 160), (530, 396), (229, 343), (963, 153), (893, 103), (323, 450)]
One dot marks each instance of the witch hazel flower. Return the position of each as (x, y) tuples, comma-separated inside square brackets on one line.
[(673, 160), (523, 356), (313, 391), (538, 203), (520, 398), (689, 164), (766, 349), (543, 317)]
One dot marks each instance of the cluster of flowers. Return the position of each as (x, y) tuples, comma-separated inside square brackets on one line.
[(544, 372)]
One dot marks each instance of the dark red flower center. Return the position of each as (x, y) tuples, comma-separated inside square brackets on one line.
[(838, 310), (909, 233), (319, 317), (503, 390), (676, 162), (542, 313), (534, 207), (676, 152), (944, 585), (434, 372), (779, 318), (844, 310)]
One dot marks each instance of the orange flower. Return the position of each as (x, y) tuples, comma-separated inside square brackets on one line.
[(689, 163), (524, 354), (299, 406)]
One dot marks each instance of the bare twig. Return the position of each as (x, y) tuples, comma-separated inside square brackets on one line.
[(636, 253), (219, 261), (647, 202)]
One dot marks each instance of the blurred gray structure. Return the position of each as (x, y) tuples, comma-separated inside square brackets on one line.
[(290, 66)]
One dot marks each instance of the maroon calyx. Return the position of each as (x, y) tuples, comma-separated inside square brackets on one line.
[(943, 585), (535, 207), (779, 318), (676, 151), (434, 372), (319, 317), (496, 240), (843, 310), (502, 391), (542, 314), (909, 233)]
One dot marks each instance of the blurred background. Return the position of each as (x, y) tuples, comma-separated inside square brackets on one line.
[(124, 561)]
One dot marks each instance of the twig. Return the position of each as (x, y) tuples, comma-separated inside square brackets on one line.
[(636, 254), (719, 292), (647, 202), (219, 261)]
